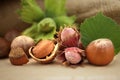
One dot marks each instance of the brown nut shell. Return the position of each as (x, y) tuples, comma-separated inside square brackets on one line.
[(47, 59), (17, 56), (100, 52)]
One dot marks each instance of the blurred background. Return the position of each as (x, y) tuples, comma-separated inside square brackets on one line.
[(81, 8), (9, 18)]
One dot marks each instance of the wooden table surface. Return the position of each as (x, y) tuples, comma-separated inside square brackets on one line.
[(54, 71)]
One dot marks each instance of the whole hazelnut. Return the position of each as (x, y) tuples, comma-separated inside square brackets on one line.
[(24, 42), (17, 56), (100, 52)]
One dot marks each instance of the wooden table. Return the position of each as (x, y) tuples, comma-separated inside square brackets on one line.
[(54, 71)]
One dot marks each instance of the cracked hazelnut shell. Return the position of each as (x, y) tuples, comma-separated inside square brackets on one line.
[(48, 59)]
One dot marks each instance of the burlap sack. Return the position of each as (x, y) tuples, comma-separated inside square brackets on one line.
[(86, 8)]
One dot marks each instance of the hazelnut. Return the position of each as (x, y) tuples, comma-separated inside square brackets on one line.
[(100, 52), (17, 56), (46, 52), (43, 48), (24, 42)]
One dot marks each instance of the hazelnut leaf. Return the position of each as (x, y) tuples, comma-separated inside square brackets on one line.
[(30, 11), (56, 9), (100, 26)]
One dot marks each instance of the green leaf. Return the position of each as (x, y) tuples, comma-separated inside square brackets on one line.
[(55, 8), (100, 26), (30, 11)]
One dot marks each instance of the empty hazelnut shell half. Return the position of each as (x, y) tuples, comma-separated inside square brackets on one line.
[(48, 59)]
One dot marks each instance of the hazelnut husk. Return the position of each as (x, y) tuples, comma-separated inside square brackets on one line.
[(47, 59), (71, 55), (69, 36), (17, 56)]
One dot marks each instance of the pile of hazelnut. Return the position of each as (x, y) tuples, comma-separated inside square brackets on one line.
[(66, 49)]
